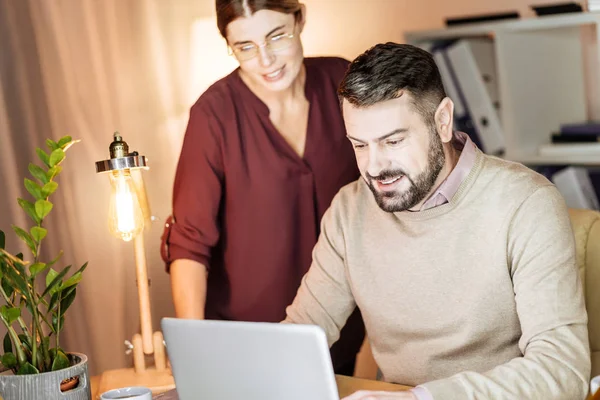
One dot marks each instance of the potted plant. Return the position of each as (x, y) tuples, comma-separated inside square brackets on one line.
[(36, 296)]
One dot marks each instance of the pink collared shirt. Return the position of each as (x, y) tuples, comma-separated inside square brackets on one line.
[(444, 194), (450, 185)]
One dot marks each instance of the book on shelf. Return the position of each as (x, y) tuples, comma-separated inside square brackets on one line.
[(575, 138), (576, 187), (584, 128), (584, 132)]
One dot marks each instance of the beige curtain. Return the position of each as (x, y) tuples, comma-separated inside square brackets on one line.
[(86, 68)]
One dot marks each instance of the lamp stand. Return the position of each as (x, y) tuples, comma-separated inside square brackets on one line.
[(158, 378)]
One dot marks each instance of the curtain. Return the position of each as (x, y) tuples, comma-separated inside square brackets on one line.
[(87, 68)]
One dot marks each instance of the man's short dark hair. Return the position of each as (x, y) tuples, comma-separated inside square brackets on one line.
[(386, 70)]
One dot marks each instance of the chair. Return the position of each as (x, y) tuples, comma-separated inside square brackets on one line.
[(586, 228)]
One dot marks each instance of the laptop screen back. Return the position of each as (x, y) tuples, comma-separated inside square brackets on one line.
[(222, 360)]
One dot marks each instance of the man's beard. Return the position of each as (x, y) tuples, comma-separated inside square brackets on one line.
[(420, 186)]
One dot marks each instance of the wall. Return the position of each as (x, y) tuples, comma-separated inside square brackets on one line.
[(348, 27), (345, 28)]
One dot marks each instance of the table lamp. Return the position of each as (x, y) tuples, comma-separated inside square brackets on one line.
[(129, 214)]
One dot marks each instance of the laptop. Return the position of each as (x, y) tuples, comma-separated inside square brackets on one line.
[(232, 360)]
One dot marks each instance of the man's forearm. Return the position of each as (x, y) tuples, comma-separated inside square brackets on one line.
[(188, 285), (556, 365)]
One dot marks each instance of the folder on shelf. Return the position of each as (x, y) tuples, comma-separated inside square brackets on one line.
[(473, 64), (462, 119), (576, 187)]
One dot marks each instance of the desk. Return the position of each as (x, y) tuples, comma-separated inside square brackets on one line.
[(346, 385)]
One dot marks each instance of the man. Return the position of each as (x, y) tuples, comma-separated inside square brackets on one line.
[(463, 264)]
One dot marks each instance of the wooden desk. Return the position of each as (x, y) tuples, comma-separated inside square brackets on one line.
[(346, 385)]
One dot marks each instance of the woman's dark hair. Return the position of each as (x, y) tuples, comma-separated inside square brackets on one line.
[(228, 10)]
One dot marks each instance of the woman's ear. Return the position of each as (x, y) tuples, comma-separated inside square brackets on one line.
[(301, 18), (444, 119)]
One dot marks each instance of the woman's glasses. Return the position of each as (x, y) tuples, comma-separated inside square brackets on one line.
[(247, 51)]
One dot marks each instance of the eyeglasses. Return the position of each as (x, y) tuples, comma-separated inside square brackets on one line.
[(247, 51)]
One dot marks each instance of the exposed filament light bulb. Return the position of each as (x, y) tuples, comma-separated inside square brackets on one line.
[(126, 219)]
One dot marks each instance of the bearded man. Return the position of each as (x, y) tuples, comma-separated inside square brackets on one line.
[(462, 264)]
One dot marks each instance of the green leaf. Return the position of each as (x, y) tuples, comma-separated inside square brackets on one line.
[(18, 281), (73, 280), (26, 340), (9, 360), (52, 145), (29, 208), (60, 253), (52, 172), (7, 343), (60, 361), (52, 287), (38, 233), (49, 188), (16, 259), (56, 157), (26, 237), (10, 314), (2, 239), (83, 267), (68, 145), (38, 173), (43, 208), (34, 189), (36, 268), (55, 323), (64, 140), (54, 351), (43, 156), (66, 302), (8, 288), (52, 274), (54, 301), (27, 369)]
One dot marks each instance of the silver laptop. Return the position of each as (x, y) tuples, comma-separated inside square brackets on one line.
[(227, 360)]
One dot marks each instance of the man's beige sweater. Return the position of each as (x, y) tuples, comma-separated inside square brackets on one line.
[(479, 298)]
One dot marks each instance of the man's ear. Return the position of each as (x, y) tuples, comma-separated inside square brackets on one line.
[(444, 119), (302, 19)]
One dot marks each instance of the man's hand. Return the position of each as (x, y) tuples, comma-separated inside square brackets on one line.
[(369, 395)]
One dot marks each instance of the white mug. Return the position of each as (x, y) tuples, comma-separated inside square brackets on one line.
[(594, 385), (129, 393)]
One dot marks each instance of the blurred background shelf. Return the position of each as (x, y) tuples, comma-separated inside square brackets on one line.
[(541, 75)]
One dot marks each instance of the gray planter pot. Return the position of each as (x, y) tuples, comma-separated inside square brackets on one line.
[(46, 386)]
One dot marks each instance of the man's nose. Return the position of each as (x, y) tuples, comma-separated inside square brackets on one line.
[(377, 162)]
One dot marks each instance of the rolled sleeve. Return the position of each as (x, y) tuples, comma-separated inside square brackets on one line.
[(193, 229)]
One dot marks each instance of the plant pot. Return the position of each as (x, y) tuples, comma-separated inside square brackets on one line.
[(47, 385)]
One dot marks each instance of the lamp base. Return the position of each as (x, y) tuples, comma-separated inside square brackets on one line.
[(155, 380)]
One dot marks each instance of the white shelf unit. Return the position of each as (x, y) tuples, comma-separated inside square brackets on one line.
[(548, 74)]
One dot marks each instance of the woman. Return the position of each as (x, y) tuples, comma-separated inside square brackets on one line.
[(263, 156)]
